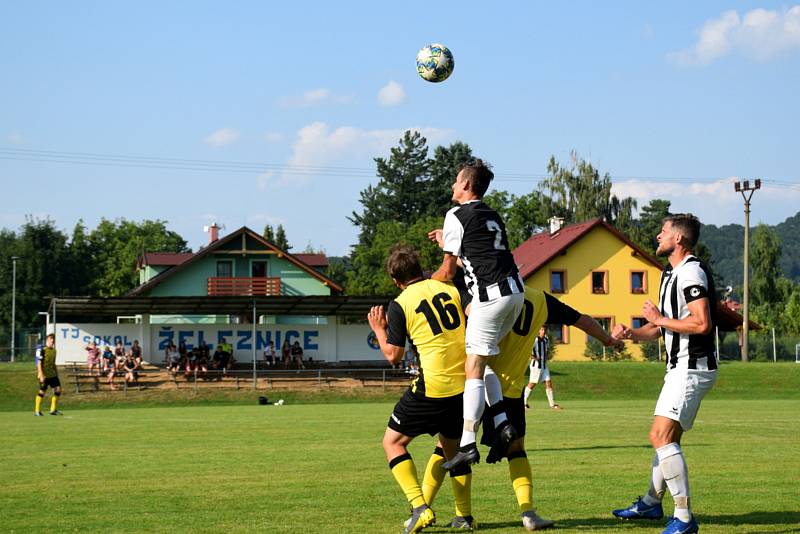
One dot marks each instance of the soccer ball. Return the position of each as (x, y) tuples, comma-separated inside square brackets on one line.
[(435, 63)]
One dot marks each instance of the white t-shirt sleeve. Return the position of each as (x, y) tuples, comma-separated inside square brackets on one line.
[(452, 233), (694, 284)]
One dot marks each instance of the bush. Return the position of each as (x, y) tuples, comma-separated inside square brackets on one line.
[(596, 351)]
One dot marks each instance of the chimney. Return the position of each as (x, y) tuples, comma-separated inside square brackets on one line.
[(213, 232), (555, 224)]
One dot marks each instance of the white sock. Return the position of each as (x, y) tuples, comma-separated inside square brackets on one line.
[(494, 393), (527, 393), (658, 485), (474, 392), (549, 392), (676, 475)]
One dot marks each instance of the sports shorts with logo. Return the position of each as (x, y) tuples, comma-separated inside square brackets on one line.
[(682, 393), (490, 321), (515, 411), (414, 415)]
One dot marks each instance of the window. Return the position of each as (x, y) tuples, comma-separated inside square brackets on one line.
[(558, 334), (258, 269), (558, 281), (600, 282), (638, 322), (225, 269), (638, 282), (605, 322)]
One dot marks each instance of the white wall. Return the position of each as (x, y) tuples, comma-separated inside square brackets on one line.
[(329, 342)]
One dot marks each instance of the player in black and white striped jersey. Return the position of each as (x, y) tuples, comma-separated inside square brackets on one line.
[(475, 235), (540, 370), (685, 317)]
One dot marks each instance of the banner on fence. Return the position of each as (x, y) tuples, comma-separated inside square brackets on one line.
[(329, 342)]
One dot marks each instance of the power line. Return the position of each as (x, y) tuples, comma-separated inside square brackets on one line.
[(250, 167)]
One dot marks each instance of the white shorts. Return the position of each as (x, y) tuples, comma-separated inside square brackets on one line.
[(682, 393), (539, 375), (490, 321)]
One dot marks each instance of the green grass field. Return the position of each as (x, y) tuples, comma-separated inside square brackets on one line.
[(319, 467)]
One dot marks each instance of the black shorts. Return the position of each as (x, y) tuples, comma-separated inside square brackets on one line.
[(515, 411), (52, 382), (413, 415)]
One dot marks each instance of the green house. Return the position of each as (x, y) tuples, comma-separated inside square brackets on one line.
[(242, 263)]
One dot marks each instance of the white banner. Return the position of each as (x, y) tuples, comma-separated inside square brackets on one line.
[(330, 342)]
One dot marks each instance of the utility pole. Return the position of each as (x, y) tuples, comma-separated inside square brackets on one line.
[(747, 193), (13, 305)]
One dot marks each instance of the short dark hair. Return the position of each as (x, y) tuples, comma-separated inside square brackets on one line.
[(51, 336), (687, 225), (478, 173), (403, 264)]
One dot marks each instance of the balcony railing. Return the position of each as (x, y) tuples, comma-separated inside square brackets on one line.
[(243, 286)]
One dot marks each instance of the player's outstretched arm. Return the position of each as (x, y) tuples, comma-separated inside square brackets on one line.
[(593, 328), (648, 332), (378, 323)]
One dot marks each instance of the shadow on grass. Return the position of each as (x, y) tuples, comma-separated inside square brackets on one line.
[(790, 519)]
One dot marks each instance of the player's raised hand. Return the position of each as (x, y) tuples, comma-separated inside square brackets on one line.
[(651, 313), (436, 237), (377, 318)]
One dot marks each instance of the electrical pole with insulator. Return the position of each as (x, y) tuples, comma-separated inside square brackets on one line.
[(747, 193)]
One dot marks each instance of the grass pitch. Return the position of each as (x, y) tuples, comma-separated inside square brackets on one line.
[(320, 468)]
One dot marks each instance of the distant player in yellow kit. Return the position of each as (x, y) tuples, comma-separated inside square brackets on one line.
[(47, 373)]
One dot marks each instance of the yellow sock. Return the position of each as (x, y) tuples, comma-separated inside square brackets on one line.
[(38, 403), (521, 480), (53, 403), (434, 476), (462, 494), (405, 473)]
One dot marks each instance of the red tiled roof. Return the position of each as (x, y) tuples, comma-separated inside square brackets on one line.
[(540, 248), (314, 260), (163, 258)]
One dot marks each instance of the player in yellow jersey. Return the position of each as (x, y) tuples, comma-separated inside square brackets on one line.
[(47, 373), (429, 313), (510, 366)]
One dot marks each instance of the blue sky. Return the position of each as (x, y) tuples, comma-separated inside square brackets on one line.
[(673, 100)]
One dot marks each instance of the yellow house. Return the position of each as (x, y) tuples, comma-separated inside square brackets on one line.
[(597, 270)]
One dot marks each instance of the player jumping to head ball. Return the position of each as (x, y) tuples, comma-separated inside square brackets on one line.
[(475, 235)]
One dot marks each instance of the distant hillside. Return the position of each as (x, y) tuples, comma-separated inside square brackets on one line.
[(726, 242)]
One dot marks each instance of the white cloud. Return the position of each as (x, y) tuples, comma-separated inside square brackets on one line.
[(314, 97), (391, 94), (759, 34), (714, 202), (319, 145), (222, 137)]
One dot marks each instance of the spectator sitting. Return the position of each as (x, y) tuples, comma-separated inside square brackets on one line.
[(136, 350), (297, 354), (109, 366), (130, 367), (201, 364), (286, 353), (119, 354), (192, 361), (93, 358), (270, 357), (172, 358)]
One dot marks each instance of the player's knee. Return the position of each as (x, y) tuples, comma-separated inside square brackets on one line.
[(57, 392), (518, 445)]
